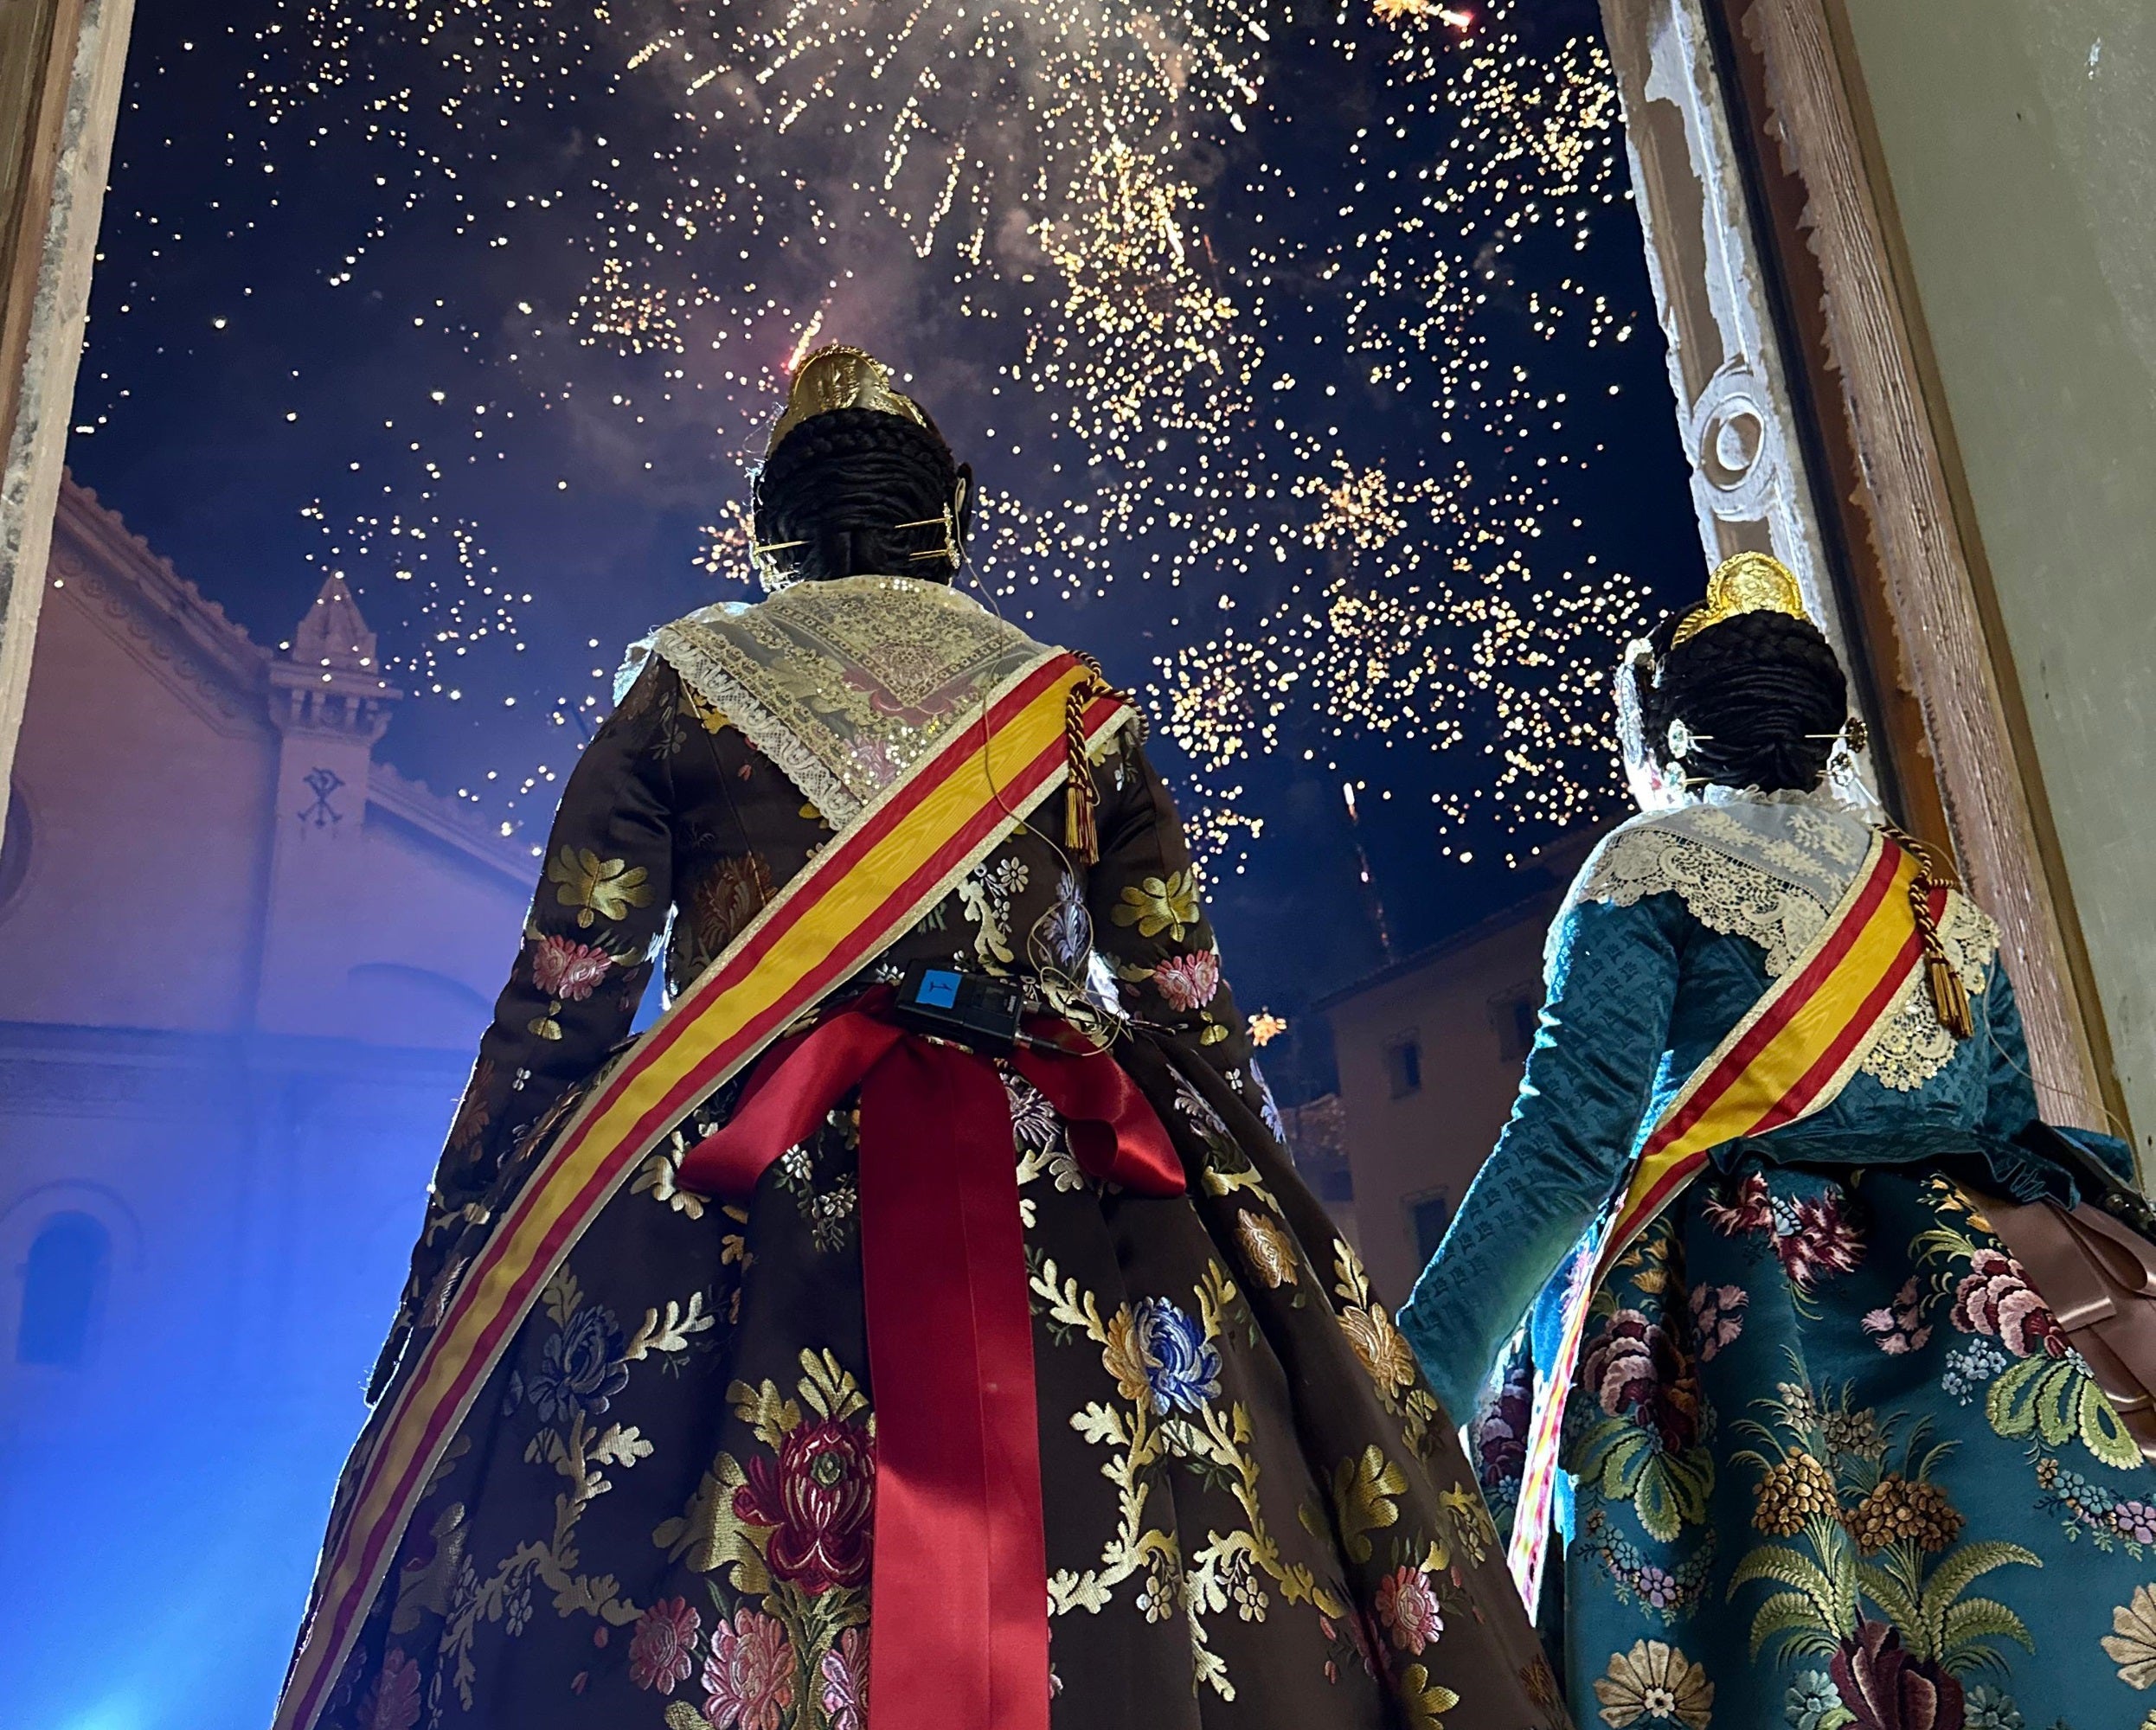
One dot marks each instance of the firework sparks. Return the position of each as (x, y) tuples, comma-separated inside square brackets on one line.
[(1300, 408)]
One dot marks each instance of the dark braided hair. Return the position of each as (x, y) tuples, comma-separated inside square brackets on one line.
[(1761, 695), (841, 482)]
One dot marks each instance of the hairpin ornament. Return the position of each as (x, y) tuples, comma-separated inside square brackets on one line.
[(949, 550), (1682, 738)]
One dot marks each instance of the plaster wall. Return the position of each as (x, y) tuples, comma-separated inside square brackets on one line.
[(144, 881), (170, 869), (243, 1075), (442, 934), (1404, 1147), (2020, 146)]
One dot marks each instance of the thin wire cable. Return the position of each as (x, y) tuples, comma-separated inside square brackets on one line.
[(1056, 983), (2115, 1126)]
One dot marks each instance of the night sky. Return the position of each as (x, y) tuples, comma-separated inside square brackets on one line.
[(1306, 357), (1307, 361)]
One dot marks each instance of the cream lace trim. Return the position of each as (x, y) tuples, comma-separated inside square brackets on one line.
[(1912, 1047), (845, 684), (1740, 900), (1722, 894)]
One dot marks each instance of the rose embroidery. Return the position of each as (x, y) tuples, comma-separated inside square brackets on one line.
[(1996, 1299), (1500, 1429), (663, 1650), (1406, 1610), (817, 1498), (1182, 1369), (580, 1366), (568, 971), (1189, 982), (1634, 1366), (749, 1678)]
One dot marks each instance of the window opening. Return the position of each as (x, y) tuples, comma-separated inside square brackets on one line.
[(62, 1280)]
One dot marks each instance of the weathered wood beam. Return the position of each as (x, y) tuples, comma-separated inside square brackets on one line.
[(62, 63)]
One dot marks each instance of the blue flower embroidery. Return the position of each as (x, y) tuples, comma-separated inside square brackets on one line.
[(1813, 1701), (579, 1367), (1181, 1368)]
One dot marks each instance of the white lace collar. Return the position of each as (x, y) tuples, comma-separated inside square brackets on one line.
[(1771, 867)]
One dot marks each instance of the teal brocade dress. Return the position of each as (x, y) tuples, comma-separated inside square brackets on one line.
[(1828, 1460)]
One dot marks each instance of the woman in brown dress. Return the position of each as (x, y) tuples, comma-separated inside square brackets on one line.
[(659, 1508)]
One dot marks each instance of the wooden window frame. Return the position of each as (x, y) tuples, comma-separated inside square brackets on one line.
[(1770, 207)]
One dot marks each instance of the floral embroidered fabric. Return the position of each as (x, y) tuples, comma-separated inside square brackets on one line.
[(1835, 1468), (1829, 1462), (659, 1510)]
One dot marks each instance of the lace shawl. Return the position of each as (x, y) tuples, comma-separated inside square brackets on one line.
[(1771, 867), (843, 684)]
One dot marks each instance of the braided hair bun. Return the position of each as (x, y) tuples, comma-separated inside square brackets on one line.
[(841, 482), (1761, 695)]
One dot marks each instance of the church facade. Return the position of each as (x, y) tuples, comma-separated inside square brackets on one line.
[(247, 962)]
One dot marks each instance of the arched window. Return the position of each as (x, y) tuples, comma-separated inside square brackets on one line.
[(62, 1280)]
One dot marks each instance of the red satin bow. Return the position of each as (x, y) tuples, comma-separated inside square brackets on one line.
[(961, 1601)]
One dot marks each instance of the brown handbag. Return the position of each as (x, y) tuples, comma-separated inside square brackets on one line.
[(2097, 1273)]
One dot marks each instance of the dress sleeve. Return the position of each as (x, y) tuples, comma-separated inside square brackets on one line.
[(1590, 1078), (597, 920), (1150, 925), (2010, 1096)]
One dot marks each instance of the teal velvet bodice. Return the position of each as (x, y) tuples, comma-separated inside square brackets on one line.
[(1638, 995)]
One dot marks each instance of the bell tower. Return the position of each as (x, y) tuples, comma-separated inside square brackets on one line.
[(330, 704)]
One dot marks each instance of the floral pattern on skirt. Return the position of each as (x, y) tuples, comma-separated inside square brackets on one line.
[(661, 1510), (1832, 1464)]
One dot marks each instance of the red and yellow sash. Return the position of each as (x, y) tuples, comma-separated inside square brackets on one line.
[(1790, 1056), (865, 888)]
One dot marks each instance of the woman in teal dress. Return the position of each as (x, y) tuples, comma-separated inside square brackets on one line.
[(1828, 1459)]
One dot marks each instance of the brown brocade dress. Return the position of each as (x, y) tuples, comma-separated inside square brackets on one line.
[(658, 1510)]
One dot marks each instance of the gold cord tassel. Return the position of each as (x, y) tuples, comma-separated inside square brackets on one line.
[(1082, 830), (1081, 801), (1949, 996)]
